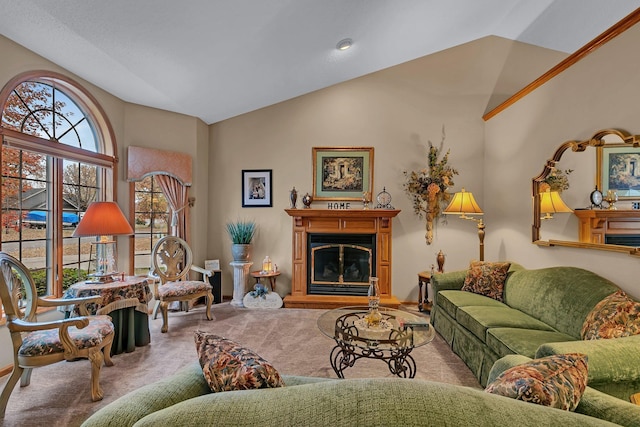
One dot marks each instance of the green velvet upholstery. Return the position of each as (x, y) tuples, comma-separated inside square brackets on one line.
[(593, 402), (542, 314), (323, 402)]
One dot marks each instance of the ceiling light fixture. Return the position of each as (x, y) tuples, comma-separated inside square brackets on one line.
[(344, 44)]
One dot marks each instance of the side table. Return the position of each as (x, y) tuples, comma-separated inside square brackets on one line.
[(126, 301), (424, 279), (272, 276)]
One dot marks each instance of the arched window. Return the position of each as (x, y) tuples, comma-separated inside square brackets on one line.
[(57, 157)]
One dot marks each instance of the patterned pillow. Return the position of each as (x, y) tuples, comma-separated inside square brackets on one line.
[(486, 278), (615, 316), (557, 381), (228, 366)]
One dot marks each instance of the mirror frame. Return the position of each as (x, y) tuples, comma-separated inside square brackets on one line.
[(597, 140)]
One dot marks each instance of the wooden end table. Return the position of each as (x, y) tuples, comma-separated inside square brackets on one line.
[(424, 278), (272, 276)]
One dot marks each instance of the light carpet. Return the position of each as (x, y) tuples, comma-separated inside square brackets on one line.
[(59, 394)]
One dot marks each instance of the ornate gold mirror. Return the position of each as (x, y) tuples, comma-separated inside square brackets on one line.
[(610, 186)]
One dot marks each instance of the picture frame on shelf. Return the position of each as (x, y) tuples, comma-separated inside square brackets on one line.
[(257, 188), (342, 173), (618, 169)]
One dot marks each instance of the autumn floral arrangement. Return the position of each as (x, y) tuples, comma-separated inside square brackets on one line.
[(558, 180), (428, 187)]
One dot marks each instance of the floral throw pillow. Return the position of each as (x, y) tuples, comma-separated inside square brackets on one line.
[(615, 316), (228, 366), (486, 278), (557, 381)]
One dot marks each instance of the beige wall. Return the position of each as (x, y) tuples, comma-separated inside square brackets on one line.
[(396, 111), (599, 92)]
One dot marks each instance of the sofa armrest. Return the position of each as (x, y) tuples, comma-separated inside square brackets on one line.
[(593, 402), (185, 384), (610, 360)]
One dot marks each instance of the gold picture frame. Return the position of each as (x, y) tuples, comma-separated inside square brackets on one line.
[(618, 169), (342, 173)]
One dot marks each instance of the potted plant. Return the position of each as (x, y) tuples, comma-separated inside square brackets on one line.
[(241, 233)]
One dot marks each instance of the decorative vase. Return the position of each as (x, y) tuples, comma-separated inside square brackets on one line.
[(306, 200), (240, 252), (293, 197), (440, 261), (373, 317)]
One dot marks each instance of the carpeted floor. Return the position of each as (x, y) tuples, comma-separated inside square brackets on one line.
[(59, 394)]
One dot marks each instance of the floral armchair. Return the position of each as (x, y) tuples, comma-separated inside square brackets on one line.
[(172, 260), (43, 343)]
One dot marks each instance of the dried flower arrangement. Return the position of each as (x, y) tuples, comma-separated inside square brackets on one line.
[(427, 188), (558, 180)]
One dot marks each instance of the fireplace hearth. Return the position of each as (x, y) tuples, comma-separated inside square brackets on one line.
[(335, 252)]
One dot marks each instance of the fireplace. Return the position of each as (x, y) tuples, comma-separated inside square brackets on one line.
[(335, 252), (340, 264)]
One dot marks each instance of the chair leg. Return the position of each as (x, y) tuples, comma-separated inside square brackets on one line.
[(106, 350), (209, 299), (25, 378), (97, 358), (8, 388), (164, 308), (155, 310)]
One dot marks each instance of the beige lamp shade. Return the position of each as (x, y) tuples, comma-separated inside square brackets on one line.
[(103, 219), (463, 203), (550, 203)]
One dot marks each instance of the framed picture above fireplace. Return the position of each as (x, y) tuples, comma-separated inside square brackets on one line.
[(256, 188), (342, 173)]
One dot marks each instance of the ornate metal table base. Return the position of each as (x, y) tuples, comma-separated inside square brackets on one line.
[(399, 361)]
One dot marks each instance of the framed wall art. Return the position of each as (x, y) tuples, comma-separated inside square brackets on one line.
[(342, 173), (257, 188), (618, 169)]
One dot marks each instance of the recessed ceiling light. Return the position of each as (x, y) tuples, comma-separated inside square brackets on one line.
[(344, 44)]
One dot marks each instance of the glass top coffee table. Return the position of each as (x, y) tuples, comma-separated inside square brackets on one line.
[(392, 341)]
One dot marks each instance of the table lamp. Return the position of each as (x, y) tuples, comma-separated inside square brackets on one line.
[(103, 219), (550, 203), (464, 204)]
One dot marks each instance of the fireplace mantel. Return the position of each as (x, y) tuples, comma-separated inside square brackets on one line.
[(339, 221)]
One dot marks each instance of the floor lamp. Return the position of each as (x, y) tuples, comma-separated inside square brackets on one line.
[(103, 220), (464, 204)]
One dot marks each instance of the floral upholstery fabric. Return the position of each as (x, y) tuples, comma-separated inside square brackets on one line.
[(48, 341), (486, 278), (110, 292), (615, 316), (557, 381), (228, 366), (182, 288)]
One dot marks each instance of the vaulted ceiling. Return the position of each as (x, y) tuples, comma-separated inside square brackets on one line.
[(216, 59)]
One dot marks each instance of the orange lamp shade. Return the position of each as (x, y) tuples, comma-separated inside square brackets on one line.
[(103, 219)]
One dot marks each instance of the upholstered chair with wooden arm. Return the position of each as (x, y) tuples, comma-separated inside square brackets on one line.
[(43, 343), (171, 261)]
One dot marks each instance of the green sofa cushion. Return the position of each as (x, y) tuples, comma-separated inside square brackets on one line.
[(478, 319), (505, 341), (559, 296), (355, 402), (613, 363), (449, 301)]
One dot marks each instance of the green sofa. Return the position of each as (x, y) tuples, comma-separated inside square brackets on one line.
[(542, 314), (184, 399)]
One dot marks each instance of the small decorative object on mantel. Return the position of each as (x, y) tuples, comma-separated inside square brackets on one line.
[(293, 197), (384, 199), (366, 199), (428, 187), (306, 200)]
